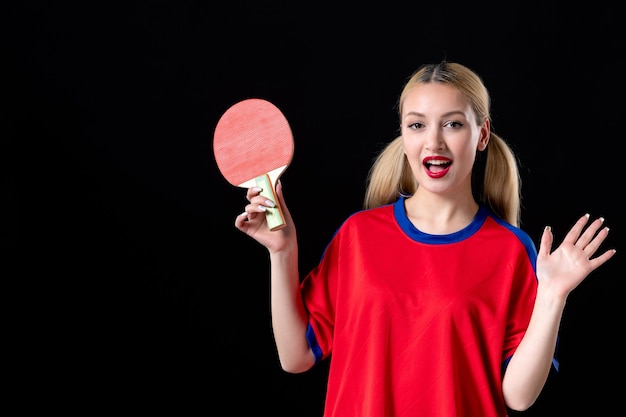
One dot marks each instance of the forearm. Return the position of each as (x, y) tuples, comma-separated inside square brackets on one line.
[(289, 317), (530, 365)]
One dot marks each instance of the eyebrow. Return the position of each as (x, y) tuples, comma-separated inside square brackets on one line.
[(448, 114)]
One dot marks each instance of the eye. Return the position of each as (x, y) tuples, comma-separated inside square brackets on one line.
[(415, 126), (453, 125)]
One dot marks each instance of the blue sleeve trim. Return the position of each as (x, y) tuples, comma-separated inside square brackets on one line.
[(505, 364), (523, 237), (312, 340), (553, 370), (555, 358)]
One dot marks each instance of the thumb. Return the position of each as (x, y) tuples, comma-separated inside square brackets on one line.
[(545, 247), (281, 200)]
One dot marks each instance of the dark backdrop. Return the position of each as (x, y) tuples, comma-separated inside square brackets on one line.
[(136, 291)]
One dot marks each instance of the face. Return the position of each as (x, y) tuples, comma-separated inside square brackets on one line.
[(441, 137)]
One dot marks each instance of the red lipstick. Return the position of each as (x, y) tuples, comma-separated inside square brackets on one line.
[(436, 166)]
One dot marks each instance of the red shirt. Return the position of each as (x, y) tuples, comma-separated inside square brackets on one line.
[(418, 324)]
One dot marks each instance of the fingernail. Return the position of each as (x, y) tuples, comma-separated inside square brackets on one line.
[(270, 203), (257, 189), (262, 208)]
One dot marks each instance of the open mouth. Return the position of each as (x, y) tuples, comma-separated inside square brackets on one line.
[(437, 167)]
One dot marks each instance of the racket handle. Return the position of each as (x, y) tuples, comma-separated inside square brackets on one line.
[(275, 219)]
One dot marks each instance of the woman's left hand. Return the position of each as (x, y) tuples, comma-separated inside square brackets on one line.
[(570, 263)]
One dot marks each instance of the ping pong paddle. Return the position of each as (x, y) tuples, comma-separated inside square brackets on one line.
[(253, 145)]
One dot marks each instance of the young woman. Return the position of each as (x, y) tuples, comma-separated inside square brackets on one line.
[(432, 301)]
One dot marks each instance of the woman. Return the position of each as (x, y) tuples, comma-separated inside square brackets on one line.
[(432, 301)]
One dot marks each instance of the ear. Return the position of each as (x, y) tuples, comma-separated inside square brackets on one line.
[(484, 135)]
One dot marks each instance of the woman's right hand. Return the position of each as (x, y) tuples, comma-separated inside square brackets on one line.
[(253, 221)]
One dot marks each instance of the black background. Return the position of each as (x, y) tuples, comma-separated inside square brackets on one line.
[(137, 294)]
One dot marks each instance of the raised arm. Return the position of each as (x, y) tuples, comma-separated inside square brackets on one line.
[(558, 272), (289, 318)]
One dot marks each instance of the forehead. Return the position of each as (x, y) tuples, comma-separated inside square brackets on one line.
[(435, 98)]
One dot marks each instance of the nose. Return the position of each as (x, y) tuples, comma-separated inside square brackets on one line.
[(434, 140)]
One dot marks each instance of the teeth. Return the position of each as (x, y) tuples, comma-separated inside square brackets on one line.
[(437, 162)]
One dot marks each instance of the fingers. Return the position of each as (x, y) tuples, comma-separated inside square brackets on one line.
[(254, 212), (591, 239), (241, 220), (574, 233), (281, 200), (253, 192), (581, 239), (588, 241), (588, 235), (545, 247), (279, 191), (258, 202), (600, 259)]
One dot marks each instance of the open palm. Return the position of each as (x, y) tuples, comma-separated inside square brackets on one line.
[(571, 262)]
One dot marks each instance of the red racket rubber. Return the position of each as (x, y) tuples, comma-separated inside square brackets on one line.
[(253, 145)]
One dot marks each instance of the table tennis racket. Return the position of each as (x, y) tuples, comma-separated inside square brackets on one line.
[(253, 145)]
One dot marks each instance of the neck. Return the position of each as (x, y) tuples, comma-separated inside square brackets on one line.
[(434, 214)]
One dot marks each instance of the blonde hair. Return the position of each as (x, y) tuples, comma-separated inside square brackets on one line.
[(391, 177)]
